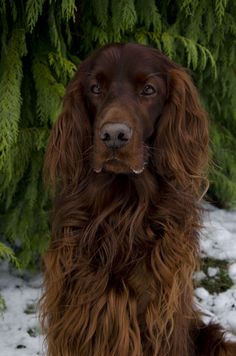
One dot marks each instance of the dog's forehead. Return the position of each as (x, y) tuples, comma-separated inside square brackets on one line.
[(126, 61)]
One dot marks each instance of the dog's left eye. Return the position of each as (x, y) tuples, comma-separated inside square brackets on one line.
[(148, 90), (96, 89)]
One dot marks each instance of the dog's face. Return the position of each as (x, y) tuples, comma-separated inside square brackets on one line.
[(125, 89), (129, 109)]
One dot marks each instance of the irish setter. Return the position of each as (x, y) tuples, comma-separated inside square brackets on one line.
[(127, 161)]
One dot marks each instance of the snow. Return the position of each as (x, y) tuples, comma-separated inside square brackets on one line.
[(219, 234), (19, 327), (232, 272), (212, 271), (219, 307), (20, 319)]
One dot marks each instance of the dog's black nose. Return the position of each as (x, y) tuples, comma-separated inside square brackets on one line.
[(115, 135)]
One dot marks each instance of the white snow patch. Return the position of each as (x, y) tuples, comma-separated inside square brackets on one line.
[(19, 320), (219, 234), (232, 272), (212, 271), (199, 276), (202, 294)]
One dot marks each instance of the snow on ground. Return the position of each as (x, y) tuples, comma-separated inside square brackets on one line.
[(19, 330), (219, 234), (218, 241), (19, 327)]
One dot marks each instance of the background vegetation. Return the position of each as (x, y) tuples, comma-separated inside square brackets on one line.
[(43, 41)]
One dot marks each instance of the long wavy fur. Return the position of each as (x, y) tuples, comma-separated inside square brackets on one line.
[(118, 272)]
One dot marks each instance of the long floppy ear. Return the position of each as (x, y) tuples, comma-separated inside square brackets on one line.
[(182, 134), (70, 138)]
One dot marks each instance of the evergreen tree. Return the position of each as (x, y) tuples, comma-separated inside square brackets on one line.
[(43, 41)]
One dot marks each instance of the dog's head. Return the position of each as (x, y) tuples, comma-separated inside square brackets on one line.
[(127, 108), (125, 89)]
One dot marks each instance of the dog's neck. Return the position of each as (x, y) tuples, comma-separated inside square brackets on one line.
[(109, 215)]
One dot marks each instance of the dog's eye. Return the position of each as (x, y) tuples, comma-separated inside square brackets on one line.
[(148, 90), (96, 89)]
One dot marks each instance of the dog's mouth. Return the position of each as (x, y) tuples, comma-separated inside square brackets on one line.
[(118, 166)]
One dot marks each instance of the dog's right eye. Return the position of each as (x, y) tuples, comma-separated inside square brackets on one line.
[(96, 89), (148, 90)]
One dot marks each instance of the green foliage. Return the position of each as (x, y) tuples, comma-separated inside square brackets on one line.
[(220, 6), (48, 91), (7, 253), (68, 9), (33, 10), (10, 95), (3, 306), (42, 42), (149, 16)]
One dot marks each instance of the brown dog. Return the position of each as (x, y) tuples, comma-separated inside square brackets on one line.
[(127, 159)]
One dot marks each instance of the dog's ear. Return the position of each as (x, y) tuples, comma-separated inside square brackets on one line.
[(181, 140), (70, 138)]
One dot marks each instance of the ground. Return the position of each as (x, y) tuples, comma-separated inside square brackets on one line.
[(215, 290)]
